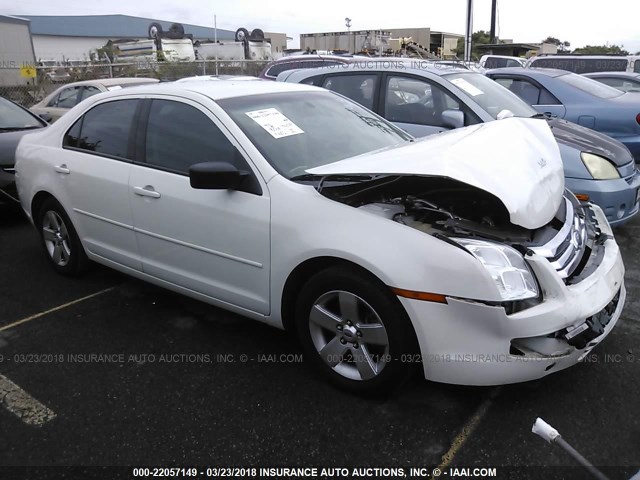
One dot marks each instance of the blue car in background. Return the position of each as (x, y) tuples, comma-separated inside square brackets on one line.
[(578, 99), (425, 99), (623, 81)]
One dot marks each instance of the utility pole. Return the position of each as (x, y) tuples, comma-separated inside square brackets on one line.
[(469, 32), (494, 9)]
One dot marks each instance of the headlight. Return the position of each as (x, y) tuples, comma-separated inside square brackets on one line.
[(600, 168), (507, 268)]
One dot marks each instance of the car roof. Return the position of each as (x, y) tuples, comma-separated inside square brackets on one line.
[(377, 64), (312, 56), (612, 74), (109, 82), (216, 90), (531, 72)]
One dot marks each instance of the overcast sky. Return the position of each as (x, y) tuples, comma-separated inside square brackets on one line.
[(577, 21)]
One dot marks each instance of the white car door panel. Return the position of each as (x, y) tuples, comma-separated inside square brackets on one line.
[(98, 185), (226, 257), (214, 242)]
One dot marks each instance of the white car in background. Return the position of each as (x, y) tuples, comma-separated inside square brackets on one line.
[(297, 207), (61, 100)]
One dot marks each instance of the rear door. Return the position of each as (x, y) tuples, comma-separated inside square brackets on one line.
[(93, 171)]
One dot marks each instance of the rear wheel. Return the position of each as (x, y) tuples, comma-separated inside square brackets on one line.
[(59, 239), (354, 331)]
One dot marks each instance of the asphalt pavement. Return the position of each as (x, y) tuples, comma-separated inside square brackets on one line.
[(119, 372)]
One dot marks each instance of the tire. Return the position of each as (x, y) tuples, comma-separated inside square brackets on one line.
[(176, 31), (354, 331), (59, 240), (257, 35), (155, 30), (242, 34)]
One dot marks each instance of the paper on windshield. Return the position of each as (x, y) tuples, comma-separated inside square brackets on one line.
[(467, 87), (275, 123)]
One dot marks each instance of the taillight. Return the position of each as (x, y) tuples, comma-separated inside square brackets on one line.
[(638, 118)]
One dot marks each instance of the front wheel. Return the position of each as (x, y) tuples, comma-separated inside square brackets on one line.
[(59, 239), (354, 331)]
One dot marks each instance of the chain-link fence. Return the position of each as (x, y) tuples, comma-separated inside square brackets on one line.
[(28, 91)]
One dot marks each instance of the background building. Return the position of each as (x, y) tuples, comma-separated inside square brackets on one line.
[(355, 41), (73, 38)]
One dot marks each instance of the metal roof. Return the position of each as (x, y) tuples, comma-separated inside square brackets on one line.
[(111, 26)]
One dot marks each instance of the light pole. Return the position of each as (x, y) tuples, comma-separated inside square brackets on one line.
[(347, 22)]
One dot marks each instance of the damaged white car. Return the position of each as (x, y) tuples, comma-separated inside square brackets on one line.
[(299, 208)]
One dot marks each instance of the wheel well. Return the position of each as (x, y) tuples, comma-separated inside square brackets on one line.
[(37, 202), (299, 277)]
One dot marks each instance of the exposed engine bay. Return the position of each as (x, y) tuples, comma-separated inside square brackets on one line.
[(444, 207)]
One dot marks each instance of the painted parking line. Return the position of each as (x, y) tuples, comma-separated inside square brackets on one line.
[(467, 430), (54, 309), (22, 405)]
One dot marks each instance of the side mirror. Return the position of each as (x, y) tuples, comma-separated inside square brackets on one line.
[(216, 176), (453, 118), (46, 117)]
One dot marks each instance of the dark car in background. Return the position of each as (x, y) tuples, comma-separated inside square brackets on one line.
[(15, 121), (294, 62)]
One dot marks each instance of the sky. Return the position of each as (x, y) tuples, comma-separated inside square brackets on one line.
[(577, 21)]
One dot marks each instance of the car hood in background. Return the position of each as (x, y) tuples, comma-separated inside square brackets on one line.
[(587, 140), (515, 159)]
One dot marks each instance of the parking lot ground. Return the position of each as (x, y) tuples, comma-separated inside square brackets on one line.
[(177, 382)]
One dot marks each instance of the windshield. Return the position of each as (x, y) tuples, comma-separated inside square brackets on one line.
[(590, 86), (15, 118), (492, 97), (297, 131)]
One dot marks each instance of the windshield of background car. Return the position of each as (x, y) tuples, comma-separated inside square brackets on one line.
[(590, 86), (15, 118), (296, 131), (492, 97)]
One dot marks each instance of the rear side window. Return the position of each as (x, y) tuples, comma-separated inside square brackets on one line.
[(66, 99), (179, 135), (105, 129), (529, 92), (359, 88)]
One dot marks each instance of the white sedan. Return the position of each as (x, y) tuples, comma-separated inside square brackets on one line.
[(294, 206), (58, 102)]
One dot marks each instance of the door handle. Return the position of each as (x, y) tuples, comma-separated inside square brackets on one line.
[(62, 169), (146, 191)]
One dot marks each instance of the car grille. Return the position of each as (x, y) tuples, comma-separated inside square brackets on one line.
[(566, 249)]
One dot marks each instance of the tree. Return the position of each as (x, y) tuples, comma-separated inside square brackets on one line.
[(477, 38), (562, 45), (602, 50)]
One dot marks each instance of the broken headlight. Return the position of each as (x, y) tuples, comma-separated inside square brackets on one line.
[(507, 268)]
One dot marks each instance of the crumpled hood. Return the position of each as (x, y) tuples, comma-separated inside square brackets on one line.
[(587, 140), (515, 159)]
